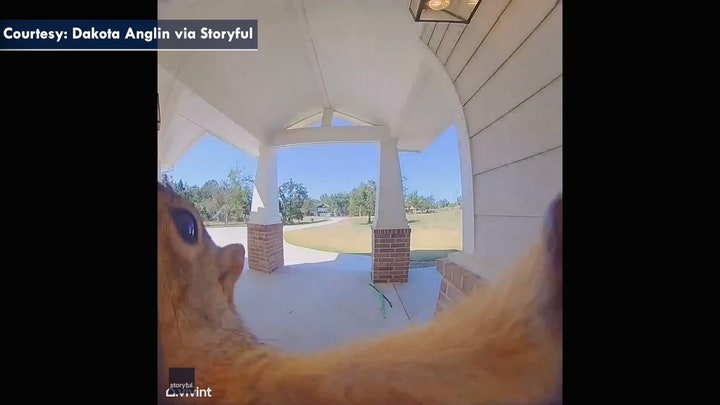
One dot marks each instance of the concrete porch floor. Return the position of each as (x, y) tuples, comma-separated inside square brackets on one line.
[(323, 299)]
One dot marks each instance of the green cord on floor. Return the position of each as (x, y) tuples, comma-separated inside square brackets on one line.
[(383, 298)]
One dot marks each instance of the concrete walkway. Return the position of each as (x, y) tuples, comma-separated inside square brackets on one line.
[(323, 299)]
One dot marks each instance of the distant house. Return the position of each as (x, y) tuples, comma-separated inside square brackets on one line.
[(414, 210), (411, 210), (323, 210)]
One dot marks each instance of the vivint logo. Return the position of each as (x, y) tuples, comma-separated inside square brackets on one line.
[(187, 390), (182, 384)]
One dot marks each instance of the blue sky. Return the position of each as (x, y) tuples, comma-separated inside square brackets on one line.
[(330, 168)]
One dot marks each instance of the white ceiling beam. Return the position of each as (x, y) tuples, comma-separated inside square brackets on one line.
[(327, 117), (182, 133), (312, 53), (302, 136), (351, 119), (307, 121)]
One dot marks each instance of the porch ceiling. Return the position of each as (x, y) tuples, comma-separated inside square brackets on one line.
[(360, 58)]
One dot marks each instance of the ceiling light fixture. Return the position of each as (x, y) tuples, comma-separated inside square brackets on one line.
[(444, 11)]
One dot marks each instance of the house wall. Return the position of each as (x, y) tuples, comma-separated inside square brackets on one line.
[(507, 69)]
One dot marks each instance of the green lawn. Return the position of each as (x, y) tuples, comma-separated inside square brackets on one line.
[(219, 224), (433, 235)]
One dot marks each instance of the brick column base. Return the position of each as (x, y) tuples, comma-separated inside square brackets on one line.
[(265, 247), (390, 255), (457, 282)]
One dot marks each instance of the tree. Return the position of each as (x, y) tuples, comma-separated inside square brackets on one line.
[(420, 203), (337, 203), (166, 180), (405, 189), (221, 199), (181, 188), (292, 198), (428, 203), (207, 195), (310, 207), (327, 200), (194, 197), (413, 201), (228, 200), (362, 199), (239, 191), (340, 204)]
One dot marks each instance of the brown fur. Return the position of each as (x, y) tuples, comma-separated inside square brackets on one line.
[(501, 345)]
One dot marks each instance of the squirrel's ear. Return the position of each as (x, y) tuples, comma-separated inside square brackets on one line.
[(231, 262)]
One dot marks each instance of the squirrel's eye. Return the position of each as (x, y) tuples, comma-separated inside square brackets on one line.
[(185, 224)]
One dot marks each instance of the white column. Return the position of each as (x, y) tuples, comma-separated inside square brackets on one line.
[(159, 159), (160, 147), (389, 198), (265, 209), (169, 107), (466, 181)]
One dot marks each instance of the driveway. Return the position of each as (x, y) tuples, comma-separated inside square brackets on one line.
[(238, 234)]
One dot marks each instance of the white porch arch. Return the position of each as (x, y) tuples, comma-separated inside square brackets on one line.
[(498, 79)]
